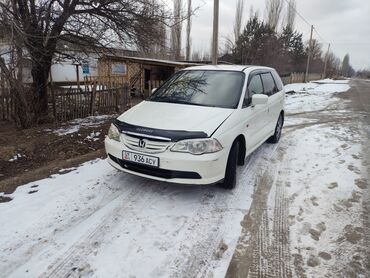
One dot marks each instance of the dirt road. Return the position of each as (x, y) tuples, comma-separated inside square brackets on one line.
[(300, 209), (315, 224)]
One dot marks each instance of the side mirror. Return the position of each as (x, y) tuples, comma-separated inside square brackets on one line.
[(259, 99), (153, 90)]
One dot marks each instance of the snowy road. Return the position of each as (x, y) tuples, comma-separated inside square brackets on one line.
[(297, 210)]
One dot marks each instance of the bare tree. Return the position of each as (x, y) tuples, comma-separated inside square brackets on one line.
[(238, 19), (44, 27), (291, 14), (188, 31), (176, 29), (274, 9), (333, 65), (155, 47)]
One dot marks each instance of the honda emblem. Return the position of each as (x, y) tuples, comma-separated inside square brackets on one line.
[(142, 143)]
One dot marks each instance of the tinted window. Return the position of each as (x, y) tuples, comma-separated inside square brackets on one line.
[(202, 87), (277, 79), (254, 87), (268, 84)]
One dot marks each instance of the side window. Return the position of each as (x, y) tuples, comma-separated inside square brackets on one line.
[(268, 84), (254, 87), (277, 79)]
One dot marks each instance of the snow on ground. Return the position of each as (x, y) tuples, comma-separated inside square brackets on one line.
[(95, 221), (313, 96), (325, 194), (97, 217), (75, 125)]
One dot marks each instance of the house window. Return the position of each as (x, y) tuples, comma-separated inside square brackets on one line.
[(119, 68)]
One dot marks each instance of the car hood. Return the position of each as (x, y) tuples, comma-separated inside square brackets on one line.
[(171, 116)]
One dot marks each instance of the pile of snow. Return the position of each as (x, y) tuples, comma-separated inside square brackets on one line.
[(323, 86), (16, 157), (313, 96), (94, 136)]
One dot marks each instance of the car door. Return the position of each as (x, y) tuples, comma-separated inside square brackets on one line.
[(277, 99), (270, 89), (255, 116)]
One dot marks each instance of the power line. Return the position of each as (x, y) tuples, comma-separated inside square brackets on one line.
[(296, 11), (305, 20), (320, 35)]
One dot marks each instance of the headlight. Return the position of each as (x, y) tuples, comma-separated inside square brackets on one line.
[(197, 146), (113, 133)]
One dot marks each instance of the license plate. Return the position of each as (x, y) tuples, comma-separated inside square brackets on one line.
[(140, 158)]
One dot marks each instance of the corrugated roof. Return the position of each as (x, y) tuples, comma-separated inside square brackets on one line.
[(150, 61)]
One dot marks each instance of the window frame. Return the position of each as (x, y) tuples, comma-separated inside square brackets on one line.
[(251, 75), (275, 75), (273, 79)]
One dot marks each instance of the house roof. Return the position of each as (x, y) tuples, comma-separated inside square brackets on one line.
[(150, 61)]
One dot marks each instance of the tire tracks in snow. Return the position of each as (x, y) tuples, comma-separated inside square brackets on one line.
[(69, 259), (201, 257), (263, 247), (38, 248), (73, 263), (190, 260)]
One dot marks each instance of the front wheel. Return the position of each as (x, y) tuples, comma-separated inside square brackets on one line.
[(230, 174), (279, 126)]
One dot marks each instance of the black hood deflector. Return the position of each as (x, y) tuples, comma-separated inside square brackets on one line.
[(171, 135)]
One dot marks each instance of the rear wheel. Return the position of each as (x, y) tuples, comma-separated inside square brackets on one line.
[(230, 174), (279, 126)]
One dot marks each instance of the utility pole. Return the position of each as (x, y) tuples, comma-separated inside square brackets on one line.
[(215, 32), (309, 55), (188, 30), (326, 61)]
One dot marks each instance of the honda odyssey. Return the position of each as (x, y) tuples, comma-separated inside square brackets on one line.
[(199, 125)]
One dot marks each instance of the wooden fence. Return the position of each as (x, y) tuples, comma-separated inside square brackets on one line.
[(68, 104), (299, 77), (7, 107), (71, 103), (154, 84)]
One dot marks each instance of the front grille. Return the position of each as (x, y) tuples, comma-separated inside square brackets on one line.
[(153, 171), (151, 145)]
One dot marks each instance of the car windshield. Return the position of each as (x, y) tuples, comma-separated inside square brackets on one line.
[(202, 87)]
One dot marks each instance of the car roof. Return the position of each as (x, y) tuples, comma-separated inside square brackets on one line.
[(239, 68)]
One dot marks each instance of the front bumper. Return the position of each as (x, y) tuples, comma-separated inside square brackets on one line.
[(174, 167)]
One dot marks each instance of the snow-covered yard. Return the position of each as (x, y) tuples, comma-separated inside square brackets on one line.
[(96, 221)]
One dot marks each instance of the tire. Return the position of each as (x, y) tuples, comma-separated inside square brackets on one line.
[(279, 126), (230, 173)]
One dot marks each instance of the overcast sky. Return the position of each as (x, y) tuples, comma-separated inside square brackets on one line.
[(343, 23)]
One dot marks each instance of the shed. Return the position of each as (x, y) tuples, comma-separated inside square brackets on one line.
[(141, 74)]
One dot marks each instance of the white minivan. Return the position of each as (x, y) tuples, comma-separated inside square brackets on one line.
[(199, 125)]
